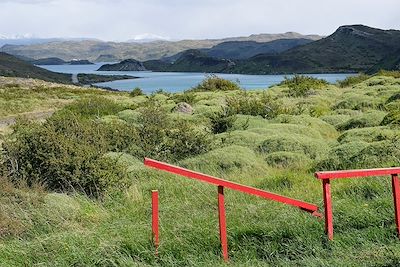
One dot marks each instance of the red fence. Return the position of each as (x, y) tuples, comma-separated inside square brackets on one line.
[(327, 176), (221, 183)]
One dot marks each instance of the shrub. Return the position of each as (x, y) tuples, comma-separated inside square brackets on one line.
[(187, 97), (286, 159), (392, 118), (66, 153), (94, 107), (291, 143), (265, 105), (369, 134), (319, 125), (301, 85), (340, 157), (389, 73), (166, 139), (378, 154), (352, 80), (214, 83), (225, 160), (368, 119), (221, 121), (136, 92)]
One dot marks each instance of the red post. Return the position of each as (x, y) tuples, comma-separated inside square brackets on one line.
[(154, 221), (328, 208), (222, 223), (396, 199)]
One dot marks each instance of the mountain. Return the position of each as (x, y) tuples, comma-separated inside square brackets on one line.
[(246, 49), (125, 65), (11, 66), (351, 48), (47, 61), (29, 40), (93, 49), (390, 62)]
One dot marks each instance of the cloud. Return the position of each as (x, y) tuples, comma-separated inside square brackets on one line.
[(178, 19)]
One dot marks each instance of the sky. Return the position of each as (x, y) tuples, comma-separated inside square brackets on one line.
[(119, 20)]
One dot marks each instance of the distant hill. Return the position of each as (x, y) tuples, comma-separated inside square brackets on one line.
[(351, 48), (95, 50), (125, 65), (48, 61), (11, 66), (246, 49)]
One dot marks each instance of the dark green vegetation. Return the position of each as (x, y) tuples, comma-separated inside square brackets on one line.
[(95, 78), (75, 191), (125, 65), (11, 66)]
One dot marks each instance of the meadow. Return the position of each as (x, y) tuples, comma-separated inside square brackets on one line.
[(74, 191)]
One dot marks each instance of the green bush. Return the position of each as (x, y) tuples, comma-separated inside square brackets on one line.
[(378, 154), (368, 119), (187, 97), (66, 154), (265, 105), (166, 139), (94, 107), (286, 159), (369, 134), (214, 83), (225, 160), (352, 80), (392, 118), (221, 121), (313, 148), (389, 73), (136, 92), (340, 157), (301, 85)]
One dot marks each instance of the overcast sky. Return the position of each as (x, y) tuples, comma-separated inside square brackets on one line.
[(189, 19)]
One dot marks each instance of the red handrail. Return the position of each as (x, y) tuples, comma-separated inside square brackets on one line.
[(221, 183), (326, 176)]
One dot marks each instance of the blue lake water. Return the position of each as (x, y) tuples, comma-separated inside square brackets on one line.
[(179, 81)]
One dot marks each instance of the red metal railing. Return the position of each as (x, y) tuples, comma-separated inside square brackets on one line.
[(221, 183), (327, 176)]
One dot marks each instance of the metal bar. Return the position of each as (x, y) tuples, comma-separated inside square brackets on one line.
[(231, 185), (357, 173), (328, 208), (396, 200), (222, 223), (154, 221)]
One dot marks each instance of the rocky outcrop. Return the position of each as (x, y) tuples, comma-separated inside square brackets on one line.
[(183, 107)]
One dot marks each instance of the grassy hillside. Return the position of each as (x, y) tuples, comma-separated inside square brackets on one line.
[(75, 191), (11, 66)]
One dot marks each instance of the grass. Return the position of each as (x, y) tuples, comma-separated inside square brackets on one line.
[(40, 227)]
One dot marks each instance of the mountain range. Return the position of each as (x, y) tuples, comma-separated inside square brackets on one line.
[(351, 48), (95, 50)]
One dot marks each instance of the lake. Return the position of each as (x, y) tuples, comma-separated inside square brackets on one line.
[(179, 81)]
